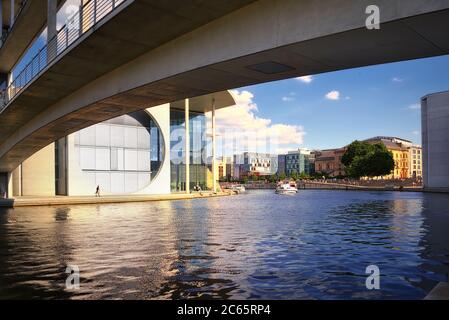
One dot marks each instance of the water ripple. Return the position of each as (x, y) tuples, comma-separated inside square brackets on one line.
[(255, 246)]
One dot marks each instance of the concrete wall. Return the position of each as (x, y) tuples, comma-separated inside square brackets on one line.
[(435, 140), (38, 173), (161, 183), (16, 182)]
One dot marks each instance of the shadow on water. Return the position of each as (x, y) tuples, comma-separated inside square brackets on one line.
[(30, 268), (434, 243), (316, 245)]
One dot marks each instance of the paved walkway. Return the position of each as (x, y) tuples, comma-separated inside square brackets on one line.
[(62, 200), (440, 292)]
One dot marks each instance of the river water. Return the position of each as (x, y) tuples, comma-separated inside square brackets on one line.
[(315, 245)]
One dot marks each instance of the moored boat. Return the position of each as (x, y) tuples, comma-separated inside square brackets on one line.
[(238, 188), (286, 188)]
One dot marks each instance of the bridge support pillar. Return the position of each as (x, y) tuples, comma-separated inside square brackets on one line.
[(52, 43), (5, 185), (187, 144), (214, 156)]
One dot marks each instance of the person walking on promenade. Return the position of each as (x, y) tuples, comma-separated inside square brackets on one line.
[(97, 192)]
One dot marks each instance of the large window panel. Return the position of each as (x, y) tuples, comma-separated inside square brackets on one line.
[(117, 182), (131, 182), (102, 135), (103, 159), (87, 158), (143, 180), (117, 136), (144, 161), (130, 160), (90, 181), (121, 159), (114, 159), (87, 136), (130, 137), (143, 138), (77, 138)]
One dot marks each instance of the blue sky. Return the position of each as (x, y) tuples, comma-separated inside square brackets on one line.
[(376, 100)]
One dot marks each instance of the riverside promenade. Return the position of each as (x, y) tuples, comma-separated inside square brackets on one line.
[(341, 186), (73, 200)]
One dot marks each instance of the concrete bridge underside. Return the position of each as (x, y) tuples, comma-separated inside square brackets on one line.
[(149, 53)]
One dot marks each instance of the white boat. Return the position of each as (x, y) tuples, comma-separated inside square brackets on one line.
[(286, 189), (238, 188)]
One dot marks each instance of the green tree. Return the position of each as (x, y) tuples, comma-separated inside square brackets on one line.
[(356, 149), (304, 176), (363, 159), (282, 176)]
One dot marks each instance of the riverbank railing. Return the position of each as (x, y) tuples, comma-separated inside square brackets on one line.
[(79, 23)]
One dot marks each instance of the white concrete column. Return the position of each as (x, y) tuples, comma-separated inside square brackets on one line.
[(52, 10), (214, 156), (10, 186), (187, 144)]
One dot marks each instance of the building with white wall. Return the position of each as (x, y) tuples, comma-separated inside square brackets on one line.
[(435, 141), (147, 152)]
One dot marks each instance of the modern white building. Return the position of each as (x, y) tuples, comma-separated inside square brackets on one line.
[(435, 141), (147, 152)]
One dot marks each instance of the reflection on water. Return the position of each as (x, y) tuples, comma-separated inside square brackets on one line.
[(315, 245)]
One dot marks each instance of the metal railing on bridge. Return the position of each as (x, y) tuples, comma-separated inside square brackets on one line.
[(79, 23)]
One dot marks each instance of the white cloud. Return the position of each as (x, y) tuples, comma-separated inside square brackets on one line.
[(305, 79), (288, 99), (415, 106), (397, 79), (416, 132), (333, 95), (241, 125)]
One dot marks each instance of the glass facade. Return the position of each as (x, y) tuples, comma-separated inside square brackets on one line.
[(299, 163), (198, 148), (121, 155)]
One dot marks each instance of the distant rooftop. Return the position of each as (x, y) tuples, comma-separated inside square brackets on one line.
[(387, 138)]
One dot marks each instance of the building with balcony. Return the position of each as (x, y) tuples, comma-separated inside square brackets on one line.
[(415, 162), (250, 164)]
